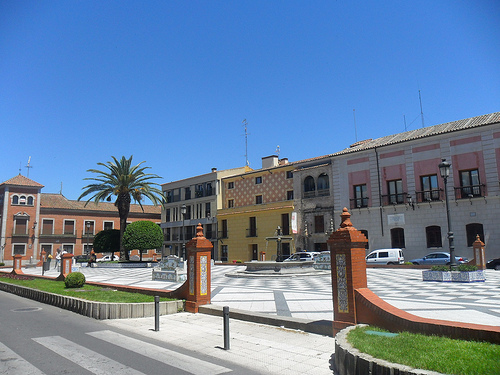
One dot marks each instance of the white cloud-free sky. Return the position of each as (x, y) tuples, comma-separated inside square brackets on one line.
[(170, 82)]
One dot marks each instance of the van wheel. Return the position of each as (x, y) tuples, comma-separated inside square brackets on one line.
[(390, 263)]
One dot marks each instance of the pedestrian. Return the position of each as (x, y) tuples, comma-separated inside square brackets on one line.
[(58, 258)]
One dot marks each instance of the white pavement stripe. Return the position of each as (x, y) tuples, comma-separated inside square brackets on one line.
[(181, 361), (11, 363), (86, 358)]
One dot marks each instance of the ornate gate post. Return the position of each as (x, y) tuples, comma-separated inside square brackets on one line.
[(347, 257), (16, 268), (479, 257), (199, 271), (66, 263)]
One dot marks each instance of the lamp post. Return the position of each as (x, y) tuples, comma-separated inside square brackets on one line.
[(87, 224), (183, 214), (444, 171)]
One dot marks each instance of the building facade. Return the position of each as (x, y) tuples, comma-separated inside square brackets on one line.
[(32, 221)]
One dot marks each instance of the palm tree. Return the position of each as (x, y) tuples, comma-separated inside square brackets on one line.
[(126, 182)]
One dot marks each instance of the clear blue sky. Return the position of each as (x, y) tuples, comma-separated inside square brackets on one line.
[(170, 82)]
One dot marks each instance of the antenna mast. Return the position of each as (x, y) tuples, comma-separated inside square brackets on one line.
[(28, 167), (278, 150), (421, 110), (245, 124)]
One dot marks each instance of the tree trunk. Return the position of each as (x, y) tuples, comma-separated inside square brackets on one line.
[(123, 205)]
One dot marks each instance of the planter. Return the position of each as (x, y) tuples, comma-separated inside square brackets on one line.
[(454, 276)]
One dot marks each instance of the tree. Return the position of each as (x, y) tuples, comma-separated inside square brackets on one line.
[(107, 241), (142, 235), (126, 182)]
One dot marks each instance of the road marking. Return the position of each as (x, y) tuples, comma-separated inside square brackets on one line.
[(181, 361), (86, 358), (11, 363)]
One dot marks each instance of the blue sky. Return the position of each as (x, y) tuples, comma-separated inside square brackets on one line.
[(170, 82)]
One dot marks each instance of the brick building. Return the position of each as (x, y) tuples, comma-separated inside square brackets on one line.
[(32, 221)]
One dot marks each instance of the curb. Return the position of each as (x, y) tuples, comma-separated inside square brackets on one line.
[(320, 327), (350, 361), (92, 309)]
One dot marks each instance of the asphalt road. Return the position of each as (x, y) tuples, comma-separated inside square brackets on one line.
[(38, 339)]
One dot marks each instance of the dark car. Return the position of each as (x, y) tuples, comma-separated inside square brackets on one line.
[(81, 258), (438, 258), (493, 264)]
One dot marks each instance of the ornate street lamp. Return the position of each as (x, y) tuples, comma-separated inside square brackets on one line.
[(444, 171), (183, 214), (87, 224)]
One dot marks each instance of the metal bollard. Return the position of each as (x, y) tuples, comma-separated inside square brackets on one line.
[(225, 314), (157, 313)]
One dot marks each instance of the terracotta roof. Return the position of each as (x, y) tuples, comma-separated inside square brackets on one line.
[(20, 180), (61, 202)]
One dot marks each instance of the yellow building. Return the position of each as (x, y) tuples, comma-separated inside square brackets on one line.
[(255, 205)]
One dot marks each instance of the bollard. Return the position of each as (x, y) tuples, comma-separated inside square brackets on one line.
[(225, 314), (157, 313)]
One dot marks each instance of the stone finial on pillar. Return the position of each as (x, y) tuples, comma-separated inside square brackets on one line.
[(479, 257), (347, 257), (199, 256)]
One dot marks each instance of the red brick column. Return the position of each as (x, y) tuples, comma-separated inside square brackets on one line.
[(347, 254), (479, 257), (16, 268), (199, 251), (66, 263)]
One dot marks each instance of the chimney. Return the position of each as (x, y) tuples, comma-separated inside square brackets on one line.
[(214, 170), (269, 161), (283, 161)]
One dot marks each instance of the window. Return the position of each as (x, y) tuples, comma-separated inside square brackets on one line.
[(108, 225), (258, 199), (309, 187), (398, 238), (230, 203), (87, 249), (360, 196), (430, 189), (68, 248), (323, 185), (69, 227), (19, 249), (433, 235), (255, 252), (20, 225), (395, 191), (252, 230), (208, 231), (258, 180), (209, 189), (88, 227), (15, 199), (469, 184), (187, 193), (285, 224), (319, 224), (223, 253), (187, 216), (22, 200), (207, 209), (168, 234), (167, 215), (289, 174), (47, 248), (473, 230), (289, 195), (170, 196), (199, 191), (230, 185), (224, 229), (47, 226), (30, 201)]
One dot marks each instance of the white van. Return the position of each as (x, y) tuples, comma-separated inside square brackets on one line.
[(385, 256)]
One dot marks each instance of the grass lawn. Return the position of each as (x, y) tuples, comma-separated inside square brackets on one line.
[(440, 354), (88, 292)]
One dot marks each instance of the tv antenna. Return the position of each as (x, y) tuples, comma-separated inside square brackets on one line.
[(28, 166), (421, 110), (278, 150), (245, 124)]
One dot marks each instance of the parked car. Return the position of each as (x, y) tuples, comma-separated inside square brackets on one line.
[(439, 257), (302, 256), (385, 256), (81, 258), (493, 264), (108, 258)]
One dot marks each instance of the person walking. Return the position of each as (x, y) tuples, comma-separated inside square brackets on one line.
[(58, 258)]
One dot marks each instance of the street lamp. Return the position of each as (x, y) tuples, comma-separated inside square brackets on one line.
[(444, 171), (183, 213), (87, 224)]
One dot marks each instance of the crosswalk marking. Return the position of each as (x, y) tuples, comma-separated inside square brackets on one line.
[(181, 361), (11, 363), (86, 358)]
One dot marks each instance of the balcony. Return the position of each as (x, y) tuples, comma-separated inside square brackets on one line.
[(472, 191), (19, 234), (72, 235), (359, 202), (323, 192), (430, 195), (393, 199)]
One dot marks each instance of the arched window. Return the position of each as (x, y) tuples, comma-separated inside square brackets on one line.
[(323, 185), (473, 230), (398, 238), (30, 201), (15, 199), (22, 199), (309, 187), (433, 236)]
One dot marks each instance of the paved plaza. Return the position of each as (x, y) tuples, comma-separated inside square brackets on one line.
[(310, 297)]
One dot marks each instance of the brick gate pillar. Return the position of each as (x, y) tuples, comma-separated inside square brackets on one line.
[(479, 257), (66, 264), (16, 268), (347, 257), (198, 291)]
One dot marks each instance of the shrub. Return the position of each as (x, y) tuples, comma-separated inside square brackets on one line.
[(461, 267), (2, 264), (74, 280)]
